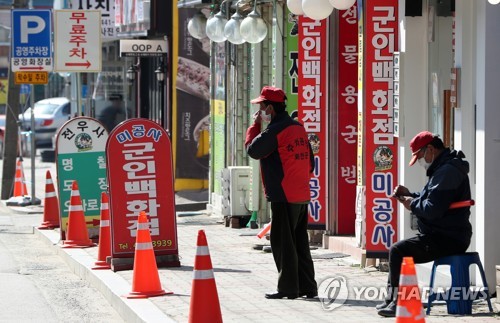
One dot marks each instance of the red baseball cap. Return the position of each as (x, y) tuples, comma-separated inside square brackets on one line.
[(270, 93), (418, 142)]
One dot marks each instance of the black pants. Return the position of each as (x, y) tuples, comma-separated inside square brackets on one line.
[(290, 247), (423, 248)]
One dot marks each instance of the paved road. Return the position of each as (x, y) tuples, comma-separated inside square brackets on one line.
[(36, 284)]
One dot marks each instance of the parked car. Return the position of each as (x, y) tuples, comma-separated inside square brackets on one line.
[(50, 115), (24, 139)]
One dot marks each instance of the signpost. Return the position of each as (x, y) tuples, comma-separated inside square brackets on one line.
[(31, 48), (77, 41), (140, 178), (142, 48), (80, 145), (31, 78)]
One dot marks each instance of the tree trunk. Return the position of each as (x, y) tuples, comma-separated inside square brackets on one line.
[(11, 137)]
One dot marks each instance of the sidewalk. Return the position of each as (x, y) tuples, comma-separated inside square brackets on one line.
[(242, 274)]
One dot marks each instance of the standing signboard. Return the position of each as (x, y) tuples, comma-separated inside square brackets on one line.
[(80, 145), (140, 178), (31, 46), (381, 146), (347, 120), (77, 41), (313, 94)]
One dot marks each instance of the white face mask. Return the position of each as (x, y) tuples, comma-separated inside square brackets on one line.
[(264, 116), (423, 163)]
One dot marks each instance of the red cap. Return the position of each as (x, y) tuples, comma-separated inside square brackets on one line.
[(418, 142), (270, 93)]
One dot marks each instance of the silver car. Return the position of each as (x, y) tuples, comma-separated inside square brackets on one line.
[(50, 115)]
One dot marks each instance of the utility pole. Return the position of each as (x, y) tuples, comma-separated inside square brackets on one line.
[(11, 138)]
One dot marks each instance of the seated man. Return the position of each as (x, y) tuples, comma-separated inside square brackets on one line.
[(442, 231)]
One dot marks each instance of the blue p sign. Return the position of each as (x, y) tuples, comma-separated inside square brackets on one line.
[(31, 48), (30, 25)]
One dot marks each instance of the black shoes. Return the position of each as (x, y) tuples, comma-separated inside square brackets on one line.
[(309, 295), (280, 295), (389, 310)]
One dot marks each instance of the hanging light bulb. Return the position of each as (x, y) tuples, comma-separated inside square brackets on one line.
[(295, 7), (494, 1), (253, 28), (344, 4), (197, 26), (215, 27), (317, 9), (232, 29)]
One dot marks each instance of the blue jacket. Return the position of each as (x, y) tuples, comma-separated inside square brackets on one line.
[(448, 183)]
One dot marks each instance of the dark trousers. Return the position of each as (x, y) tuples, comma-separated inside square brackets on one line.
[(423, 248), (290, 247)]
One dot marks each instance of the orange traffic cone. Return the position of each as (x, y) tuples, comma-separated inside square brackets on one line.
[(19, 181), (145, 280), (409, 307), (204, 306), (264, 230), (77, 235), (104, 235), (50, 205)]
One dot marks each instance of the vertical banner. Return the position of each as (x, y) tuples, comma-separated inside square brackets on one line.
[(218, 115), (292, 63), (192, 107), (140, 179), (381, 41), (347, 57), (312, 99), (81, 157)]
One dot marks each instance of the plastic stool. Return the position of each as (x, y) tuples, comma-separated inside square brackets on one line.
[(459, 269)]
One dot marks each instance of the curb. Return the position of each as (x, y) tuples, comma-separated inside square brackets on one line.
[(111, 285)]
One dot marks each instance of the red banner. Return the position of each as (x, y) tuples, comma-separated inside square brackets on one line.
[(347, 85), (140, 178), (381, 41), (312, 101)]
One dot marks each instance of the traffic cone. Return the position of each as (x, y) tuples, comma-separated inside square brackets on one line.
[(50, 205), (19, 181), (264, 230), (204, 306), (77, 235), (409, 307), (145, 280), (104, 235)]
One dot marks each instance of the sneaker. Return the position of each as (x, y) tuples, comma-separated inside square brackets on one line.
[(389, 310), (382, 305)]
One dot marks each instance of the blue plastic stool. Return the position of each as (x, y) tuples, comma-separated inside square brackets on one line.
[(460, 280)]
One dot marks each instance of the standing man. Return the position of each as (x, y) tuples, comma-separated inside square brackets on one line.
[(442, 231), (286, 163)]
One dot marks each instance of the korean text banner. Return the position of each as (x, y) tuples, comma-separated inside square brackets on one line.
[(312, 99), (381, 41), (80, 145), (347, 92), (140, 179)]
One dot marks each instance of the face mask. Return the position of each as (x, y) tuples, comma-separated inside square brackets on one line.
[(264, 116), (423, 163)]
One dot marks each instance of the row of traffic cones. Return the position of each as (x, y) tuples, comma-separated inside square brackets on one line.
[(204, 305)]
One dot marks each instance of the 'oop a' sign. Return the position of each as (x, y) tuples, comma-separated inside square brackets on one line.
[(142, 48), (140, 178)]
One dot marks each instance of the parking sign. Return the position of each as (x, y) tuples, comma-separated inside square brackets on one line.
[(31, 48)]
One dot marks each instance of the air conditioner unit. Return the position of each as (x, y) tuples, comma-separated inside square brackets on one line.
[(236, 190)]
